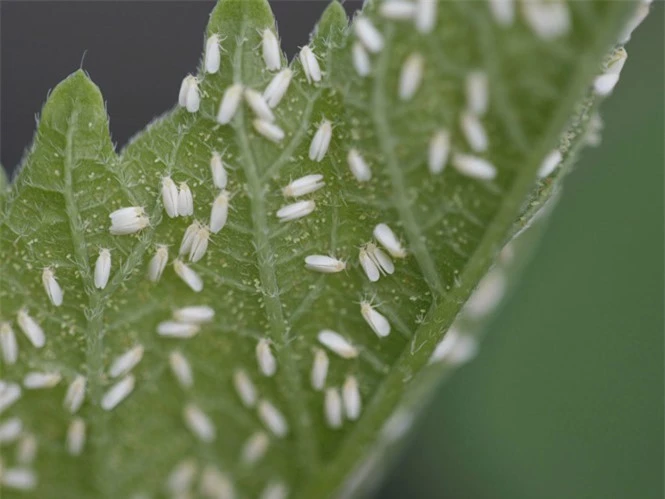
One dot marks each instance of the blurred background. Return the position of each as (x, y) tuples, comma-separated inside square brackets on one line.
[(565, 399)]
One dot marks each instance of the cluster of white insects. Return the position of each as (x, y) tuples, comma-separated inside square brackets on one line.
[(548, 20)]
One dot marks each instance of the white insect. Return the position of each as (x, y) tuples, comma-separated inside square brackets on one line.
[(199, 244), (374, 319), (358, 166), (319, 369), (196, 314), (277, 87), (398, 10), (296, 210), (487, 295), (368, 35), (215, 484), (321, 141), (199, 423), (229, 105), (272, 418), (158, 263), (10, 430), (271, 52), (336, 343), (265, 358), (258, 105), (310, 65), (547, 19), (411, 76), (76, 437), (474, 167), (181, 477), (102, 268), (118, 392), (181, 369), (269, 130), (477, 92), (640, 14), (185, 200), (8, 343), (439, 149), (193, 98), (426, 13), (128, 220), (351, 398), (172, 329), (184, 89), (375, 262), (219, 213), (550, 162), (503, 12), (387, 238), (455, 348), (218, 171), (275, 490), (368, 265), (9, 394), (244, 387), (18, 478), (170, 197), (303, 185), (255, 448), (39, 380), (51, 286), (126, 362), (27, 449), (324, 264), (332, 406), (31, 329), (75, 394), (361, 60), (397, 425), (213, 55), (605, 83), (474, 132), (188, 275)]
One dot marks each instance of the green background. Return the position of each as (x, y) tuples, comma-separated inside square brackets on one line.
[(565, 399)]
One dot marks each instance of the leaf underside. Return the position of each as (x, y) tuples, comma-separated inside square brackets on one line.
[(56, 215)]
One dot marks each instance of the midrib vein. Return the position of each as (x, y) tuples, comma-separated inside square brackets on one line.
[(305, 440)]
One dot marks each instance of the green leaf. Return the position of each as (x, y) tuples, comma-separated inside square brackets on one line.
[(452, 226)]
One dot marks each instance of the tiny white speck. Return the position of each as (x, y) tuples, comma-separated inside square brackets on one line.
[(76, 437), (158, 263), (181, 477), (196, 314), (189, 276), (219, 213), (255, 448), (258, 105), (474, 167), (199, 423), (303, 185), (271, 52), (324, 264), (185, 200), (244, 387), (398, 10), (368, 35), (474, 132), (351, 398), (8, 343), (102, 268), (310, 65), (51, 286), (321, 141), (426, 14), (411, 76), (333, 408), (215, 484), (503, 12), (218, 171), (213, 55), (550, 162), (229, 105), (296, 210), (9, 394), (547, 19), (265, 358), (605, 83), (272, 418), (10, 430), (199, 244), (75, 394), (277, 87), (126, 362), (319, 369), (375, 320), (38, 380), (358, 166), (439, 149), (361, 60), (336, 343), (173, 329), (181, 369), (275, 490), (118, 392), (18, 478), (128, 220), (477, 92), (387, 238), (26, 449)]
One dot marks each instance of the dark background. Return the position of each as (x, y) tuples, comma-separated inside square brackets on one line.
[(566, 397)]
